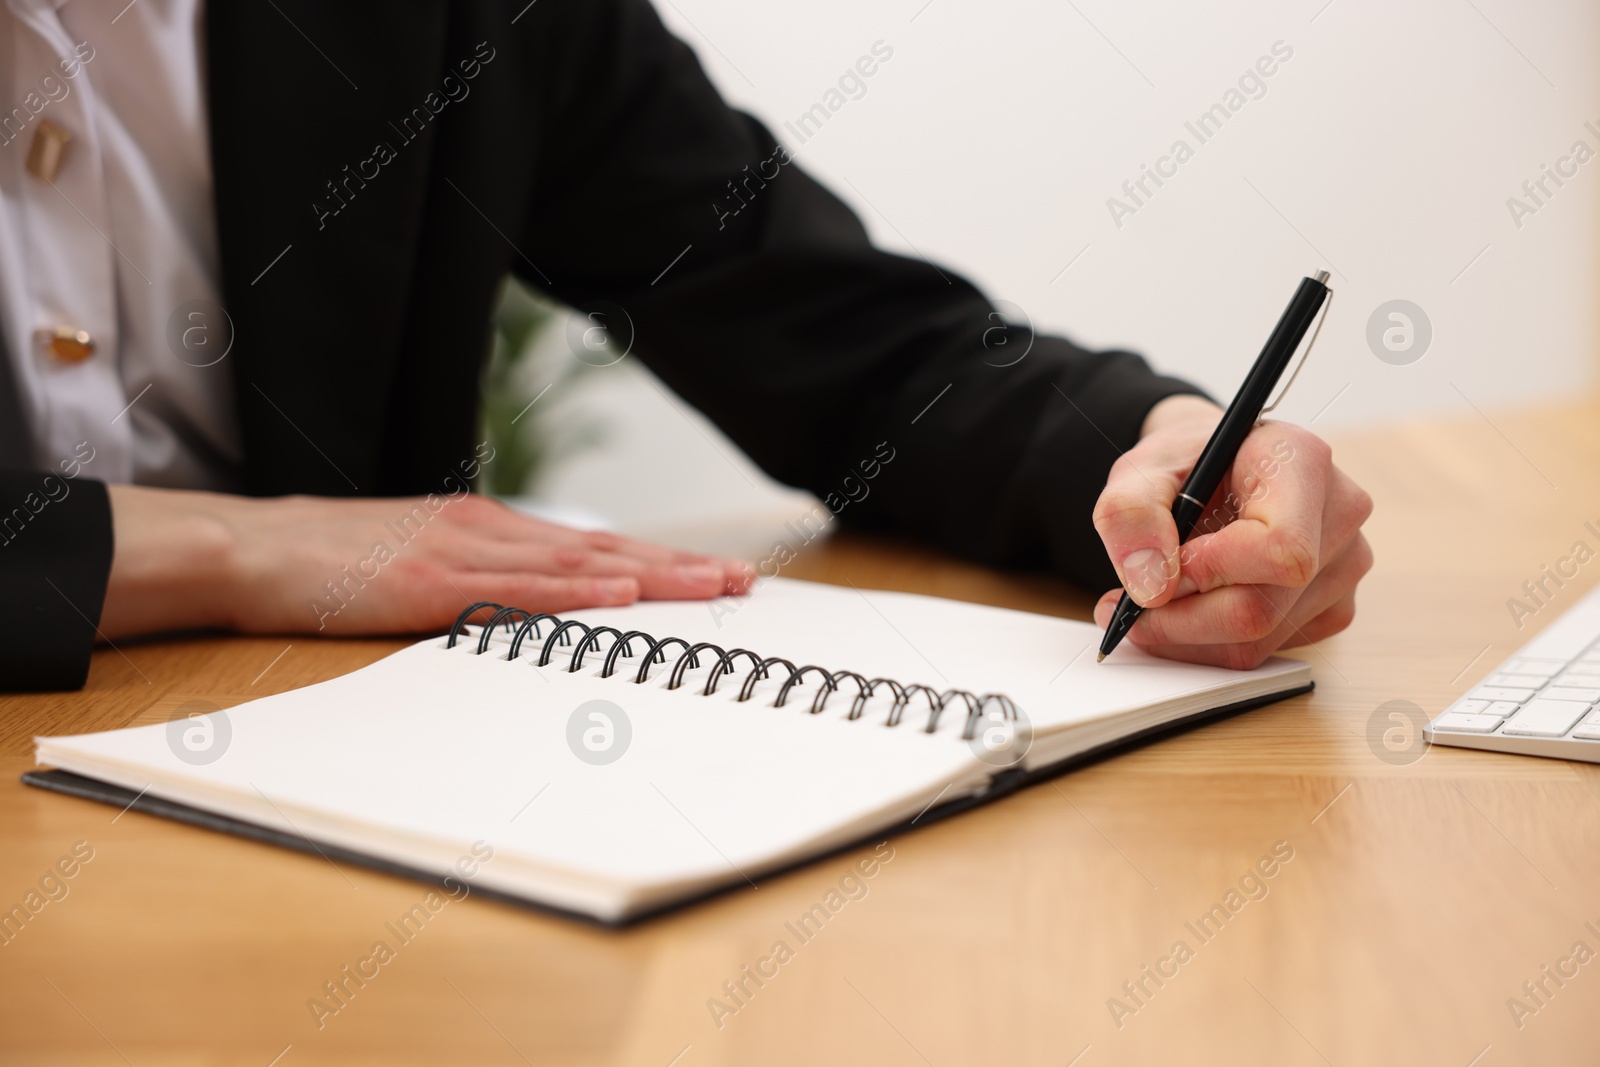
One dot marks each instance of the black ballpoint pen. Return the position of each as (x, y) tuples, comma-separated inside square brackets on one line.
[(1237, 422)]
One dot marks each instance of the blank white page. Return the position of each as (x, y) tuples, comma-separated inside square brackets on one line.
[(1046, 664)]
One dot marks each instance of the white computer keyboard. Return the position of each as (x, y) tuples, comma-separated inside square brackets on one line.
[(1540, 702)]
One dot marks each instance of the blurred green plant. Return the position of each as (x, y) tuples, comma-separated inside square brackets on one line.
[(513, 416)]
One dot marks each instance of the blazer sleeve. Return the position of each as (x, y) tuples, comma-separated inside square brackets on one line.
[(55, 558), (757, 296)]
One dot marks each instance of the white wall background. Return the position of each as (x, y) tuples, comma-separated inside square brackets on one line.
[(1384, 150)]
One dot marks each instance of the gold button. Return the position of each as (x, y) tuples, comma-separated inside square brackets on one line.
[(46, 150), (66, 344)]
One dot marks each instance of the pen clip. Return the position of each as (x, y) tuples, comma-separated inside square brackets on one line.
[(1321, 318)]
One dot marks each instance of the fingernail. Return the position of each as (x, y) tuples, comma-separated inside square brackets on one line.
[(1144, 575), (624, 589), (701, 573), (740, 575)]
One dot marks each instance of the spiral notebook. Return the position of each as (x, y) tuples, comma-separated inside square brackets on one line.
[(618, 762)]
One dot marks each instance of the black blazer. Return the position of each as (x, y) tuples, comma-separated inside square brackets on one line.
[(380, 167)]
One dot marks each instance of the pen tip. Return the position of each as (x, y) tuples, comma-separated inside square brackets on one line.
[(1101, 658)]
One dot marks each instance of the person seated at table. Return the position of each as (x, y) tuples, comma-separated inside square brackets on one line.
[(173, 177)]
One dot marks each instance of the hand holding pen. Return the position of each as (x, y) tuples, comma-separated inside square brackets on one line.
[(1276, 548)]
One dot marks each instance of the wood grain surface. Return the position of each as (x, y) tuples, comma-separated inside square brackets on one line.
[(1412, 892)]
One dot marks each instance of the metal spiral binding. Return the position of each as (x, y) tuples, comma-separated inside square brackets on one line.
[(761, 667)]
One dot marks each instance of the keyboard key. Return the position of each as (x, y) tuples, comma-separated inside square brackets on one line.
[(1530, 665), (1470, 707), (1563, 692), (1588, 731), (1534, 664), (1580, 680), (1546, 718), (1455, 722), (1500, 692), (1501, 708), (1518, 681)]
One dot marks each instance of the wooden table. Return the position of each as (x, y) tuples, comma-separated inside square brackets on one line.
[(1423, 890)]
